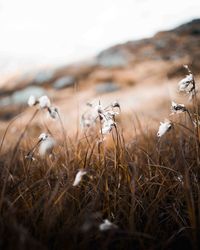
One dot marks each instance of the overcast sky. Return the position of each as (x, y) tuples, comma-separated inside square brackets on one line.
[(57, 31)]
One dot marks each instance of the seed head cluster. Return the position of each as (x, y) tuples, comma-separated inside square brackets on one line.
[(43, 102), (106, 116), (178, 108)]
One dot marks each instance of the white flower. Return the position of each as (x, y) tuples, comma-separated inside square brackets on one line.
[(46, 145), (42, 136), (87, 120), (107, 126), (107, 225), (106, 113), (32, 100), (106, 130), (44, 102), (79, 176), (115, 104), (184, 84), (178, 108), (110, 114), (106, 116), (164, 127), (53, 112), (98, 109)]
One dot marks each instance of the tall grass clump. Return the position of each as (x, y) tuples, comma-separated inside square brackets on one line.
[(103, 189)]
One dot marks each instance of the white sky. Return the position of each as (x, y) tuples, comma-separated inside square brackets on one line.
[(58, 31)]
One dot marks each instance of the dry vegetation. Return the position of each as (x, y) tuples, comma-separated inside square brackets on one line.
[(147, 186)]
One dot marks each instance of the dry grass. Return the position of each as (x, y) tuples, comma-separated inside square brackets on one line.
[(148, 187)]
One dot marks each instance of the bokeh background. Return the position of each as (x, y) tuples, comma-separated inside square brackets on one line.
[(56, 32), (77, 51)]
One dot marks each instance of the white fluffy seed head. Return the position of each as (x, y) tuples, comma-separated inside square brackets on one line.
[(43, 136), (31, 100), (174, 104), (164, 127), (99, 109), (46, 146), (106, 115), (87, 121), (185, 82), (115, 104), (79, 176), (178, 108), (106, 130), (107, 225), (107, 126), (112, 113), (44, 102)]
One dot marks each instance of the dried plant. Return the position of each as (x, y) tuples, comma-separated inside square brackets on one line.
[(149, 188)]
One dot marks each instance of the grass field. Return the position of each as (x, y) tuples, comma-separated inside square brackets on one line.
[(146, 186)]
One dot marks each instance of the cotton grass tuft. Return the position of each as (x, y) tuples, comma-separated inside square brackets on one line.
[(107, 225), (79, 177), (164, 127)]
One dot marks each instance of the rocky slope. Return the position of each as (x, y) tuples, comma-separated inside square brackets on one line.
[(137, 73)]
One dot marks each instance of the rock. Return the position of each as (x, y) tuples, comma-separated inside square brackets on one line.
[(106, 87), (21, 96), (64, 82), (171, 45), (190, 28), (113, 57), (43, 77), (160, 43)]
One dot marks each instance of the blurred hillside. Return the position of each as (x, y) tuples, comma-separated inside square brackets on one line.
[(137, 73)]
